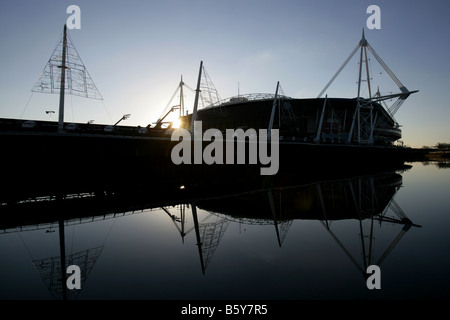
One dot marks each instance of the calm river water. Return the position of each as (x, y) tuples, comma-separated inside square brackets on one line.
[(312, 241)]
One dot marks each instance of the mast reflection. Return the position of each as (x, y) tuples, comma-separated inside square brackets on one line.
[(361, 198), (364, 199)]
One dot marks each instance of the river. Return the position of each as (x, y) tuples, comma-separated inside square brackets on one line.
[(312, 241)]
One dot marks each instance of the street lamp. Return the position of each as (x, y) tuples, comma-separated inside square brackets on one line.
[(124, 117), (49, 112)]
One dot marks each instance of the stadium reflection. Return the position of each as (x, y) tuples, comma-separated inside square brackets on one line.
[(366, 199)]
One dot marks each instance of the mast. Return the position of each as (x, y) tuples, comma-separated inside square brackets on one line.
[(197, 93), (319, 129), (181, 97), (62, 252), (363, 43), (197, 234), (274, 216), (272, 115), (364, 108), (63, 83)]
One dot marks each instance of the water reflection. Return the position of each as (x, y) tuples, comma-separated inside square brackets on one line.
[(363, 198), (367, 199), (53, 269), (442, 163)]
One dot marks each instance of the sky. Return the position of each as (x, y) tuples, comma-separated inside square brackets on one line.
[(136, 52)]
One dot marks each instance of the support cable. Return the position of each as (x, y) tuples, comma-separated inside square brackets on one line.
[(386, 68), (26, 106), (339, 71)]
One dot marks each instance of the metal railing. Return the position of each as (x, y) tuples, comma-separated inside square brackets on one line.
[(245, 98)]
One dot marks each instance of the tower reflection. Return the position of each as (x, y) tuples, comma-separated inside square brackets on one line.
[(366, 200)]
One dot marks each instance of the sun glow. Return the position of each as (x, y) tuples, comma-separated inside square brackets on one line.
[(176, 123)]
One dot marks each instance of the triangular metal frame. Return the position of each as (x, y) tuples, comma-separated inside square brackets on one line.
[(77, 82), (66, 72), (363, 117)]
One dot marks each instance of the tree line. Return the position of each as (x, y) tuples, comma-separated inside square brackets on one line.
[(440, 146)]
